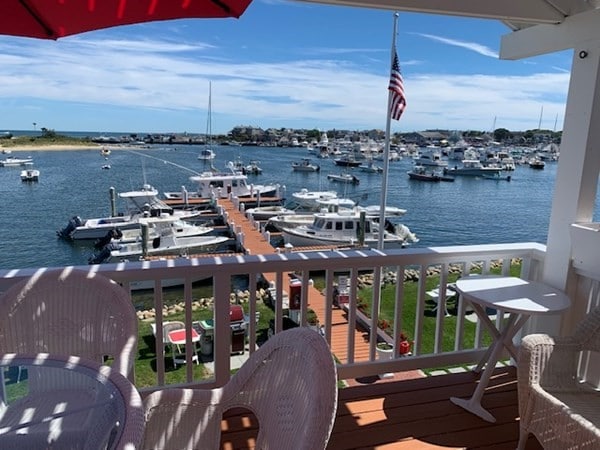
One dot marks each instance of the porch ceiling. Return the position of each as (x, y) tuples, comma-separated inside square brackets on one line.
[(516, 14)]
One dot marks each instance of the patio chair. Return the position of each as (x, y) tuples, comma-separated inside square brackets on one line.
[(289, 383), (66, 312), (555, 406), (70, 312)]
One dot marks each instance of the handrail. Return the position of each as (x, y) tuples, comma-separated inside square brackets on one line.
[(354, 262)]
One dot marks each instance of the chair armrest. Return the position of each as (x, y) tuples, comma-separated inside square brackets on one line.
[(548, 361)]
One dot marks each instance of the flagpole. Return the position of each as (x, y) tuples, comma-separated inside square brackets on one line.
[(386, 148)]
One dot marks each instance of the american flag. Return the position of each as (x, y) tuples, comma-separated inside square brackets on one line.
[(397, 87)]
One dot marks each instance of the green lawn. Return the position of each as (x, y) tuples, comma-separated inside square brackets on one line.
[(145, 364)]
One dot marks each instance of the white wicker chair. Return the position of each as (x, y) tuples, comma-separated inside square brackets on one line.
[(290, 384), (66, 312), (70, 312), (561, 411)]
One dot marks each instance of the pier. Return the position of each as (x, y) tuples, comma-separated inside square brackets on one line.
[(255, 242)]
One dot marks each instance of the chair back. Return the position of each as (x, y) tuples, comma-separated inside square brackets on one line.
[(290, 384), (70, 312)]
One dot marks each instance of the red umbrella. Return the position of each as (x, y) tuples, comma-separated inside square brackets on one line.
[(53, 19)]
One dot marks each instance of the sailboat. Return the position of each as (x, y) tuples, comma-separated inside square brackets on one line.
[(207, 154)]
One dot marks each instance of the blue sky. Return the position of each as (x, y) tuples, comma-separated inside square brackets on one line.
[(282, 64)]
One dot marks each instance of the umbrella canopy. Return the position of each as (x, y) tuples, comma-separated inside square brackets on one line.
[(53, 19)]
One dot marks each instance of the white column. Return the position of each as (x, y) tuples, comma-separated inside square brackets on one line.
[(578, 168)]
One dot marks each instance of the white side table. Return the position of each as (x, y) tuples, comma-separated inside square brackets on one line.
[(518, 297)]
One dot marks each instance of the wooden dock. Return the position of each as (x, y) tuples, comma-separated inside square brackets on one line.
[(256, 243)]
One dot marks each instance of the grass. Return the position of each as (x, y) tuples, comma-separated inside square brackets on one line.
[(429, 323), (43, 140), (146, 362)]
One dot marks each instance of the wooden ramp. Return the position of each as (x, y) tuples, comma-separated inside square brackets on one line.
[(256, 244)]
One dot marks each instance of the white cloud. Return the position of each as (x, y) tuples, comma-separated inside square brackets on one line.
[(163, 78), (473, 46)]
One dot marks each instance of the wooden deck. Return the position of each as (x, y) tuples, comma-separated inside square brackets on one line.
[(411, 415)]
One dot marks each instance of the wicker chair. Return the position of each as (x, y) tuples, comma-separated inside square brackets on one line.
[(290, 384), (66, 312), (70, 312), (554, 405)]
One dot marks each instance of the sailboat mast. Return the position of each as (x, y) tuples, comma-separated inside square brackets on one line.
[(541, 114)]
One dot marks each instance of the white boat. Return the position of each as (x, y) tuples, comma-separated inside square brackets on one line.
[(334, 204), (295, 220), (472, 168), (309, 199), (431, 156), (206, 155), (536, 163), (290, 220), (222, 185), (142, 206), (346, 229), (343, 177), (371, 167), (305, 166), (266, 212), (29, 175), (253, 168), (13, 161), (163, 245), (105, 152)]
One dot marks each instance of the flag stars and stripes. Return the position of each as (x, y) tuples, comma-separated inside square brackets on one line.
[(398, 101)]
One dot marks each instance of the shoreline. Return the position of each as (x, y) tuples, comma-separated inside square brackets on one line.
[(51, 147)]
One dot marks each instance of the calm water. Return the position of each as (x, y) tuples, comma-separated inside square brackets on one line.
[(468, 211)]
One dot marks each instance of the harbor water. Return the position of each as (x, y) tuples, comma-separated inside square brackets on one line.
[(466, 211)]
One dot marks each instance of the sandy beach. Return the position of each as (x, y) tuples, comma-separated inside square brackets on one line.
[(46, 148)]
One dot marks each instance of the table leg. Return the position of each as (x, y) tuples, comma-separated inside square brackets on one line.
[(473, 404)]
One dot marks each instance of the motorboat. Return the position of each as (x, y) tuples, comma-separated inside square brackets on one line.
[(343, 177), (295, 220), (310, 199), (472, 168), (266, 212), (143, 206), (13, 161), (335, 204), (206, 155), (252, 168), (165, 244), (421, 173), (371, 167), (151, 229), (537, 163), (347, 161), (222, 185), (105, 152), (347, 228), (431, 156), (29, 175), (305, 166)]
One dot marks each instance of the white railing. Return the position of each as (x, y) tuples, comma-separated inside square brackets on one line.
[(353, 263)]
